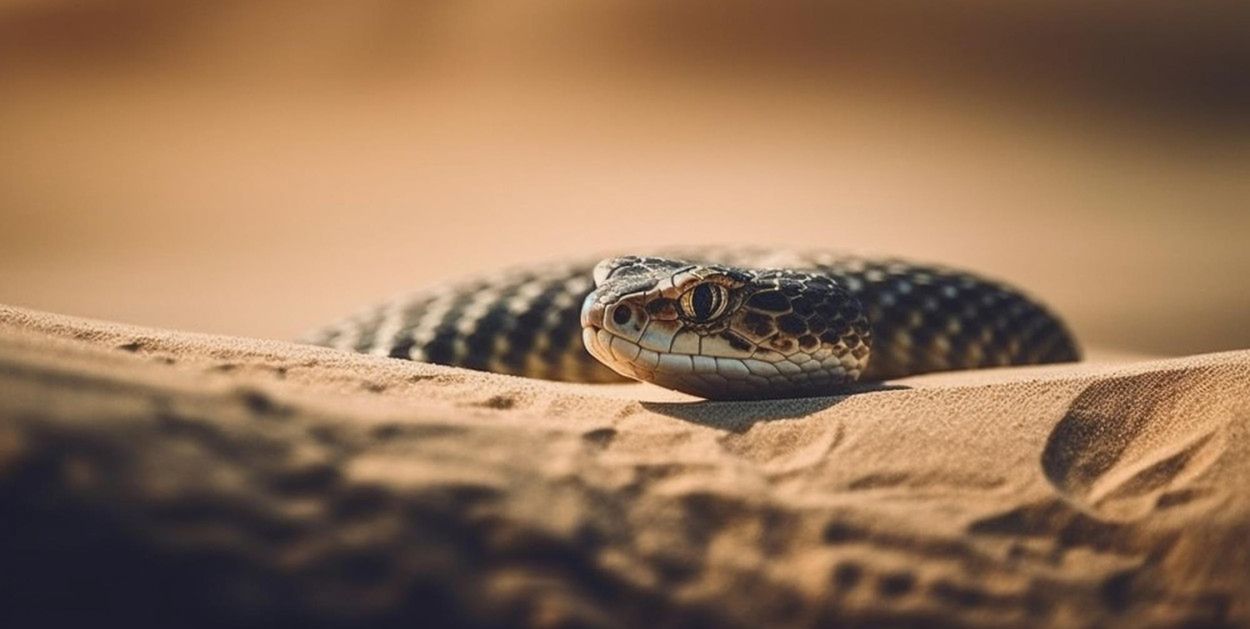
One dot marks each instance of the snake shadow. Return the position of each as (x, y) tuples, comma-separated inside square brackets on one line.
[(740, 416)]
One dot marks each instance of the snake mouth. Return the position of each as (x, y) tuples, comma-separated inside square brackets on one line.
[(711, 377), (592, 312), (597, 338)]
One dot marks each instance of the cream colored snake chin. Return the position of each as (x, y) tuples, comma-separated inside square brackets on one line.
[(720, 324)]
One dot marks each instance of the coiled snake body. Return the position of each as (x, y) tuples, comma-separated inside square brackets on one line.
[(729, 324)]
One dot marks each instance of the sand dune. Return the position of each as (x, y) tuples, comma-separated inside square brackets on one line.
[(159, 476)]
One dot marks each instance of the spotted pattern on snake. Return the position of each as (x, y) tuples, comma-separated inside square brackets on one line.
[(717, 323)]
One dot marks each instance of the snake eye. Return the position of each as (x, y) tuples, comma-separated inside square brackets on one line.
[(704, 302), (622, 314)]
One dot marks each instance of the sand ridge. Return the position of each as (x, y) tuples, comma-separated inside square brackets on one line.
[(251, 480)]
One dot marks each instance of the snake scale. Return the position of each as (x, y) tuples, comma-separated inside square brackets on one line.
[(720, 324)]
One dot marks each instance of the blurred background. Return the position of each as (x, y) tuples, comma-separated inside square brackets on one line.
[(259, 168)]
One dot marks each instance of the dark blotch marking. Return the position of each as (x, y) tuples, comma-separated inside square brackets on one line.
[(958, 594), (847, 575), (524, 330), (840, 533), (792, 324), (807, 341), (259, 403), (499, 402), (565, 334), (600, 436), (400, 344), (1117, 590), (369, 330), (441, 350), (132, 346), (771, 301), (662, 307), (758, 324), (481, 342), (735, 341), (402, 348), (830, 337), (896, 584), (1180, 497), (387, 431)]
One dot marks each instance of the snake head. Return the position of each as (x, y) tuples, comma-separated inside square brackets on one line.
[(724, 332)]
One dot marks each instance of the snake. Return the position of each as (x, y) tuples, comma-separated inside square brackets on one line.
[(720, 324)]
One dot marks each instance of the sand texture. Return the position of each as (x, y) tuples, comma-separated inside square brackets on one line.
[(158, 477)]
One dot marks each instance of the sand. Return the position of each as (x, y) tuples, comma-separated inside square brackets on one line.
[(151, 476)]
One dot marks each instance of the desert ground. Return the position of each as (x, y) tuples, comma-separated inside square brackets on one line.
[(162, 477), (185, 188)]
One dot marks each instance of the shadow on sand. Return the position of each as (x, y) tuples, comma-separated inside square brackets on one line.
[(739, 416)]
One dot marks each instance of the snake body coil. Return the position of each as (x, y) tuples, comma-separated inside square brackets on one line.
[(725, 324)]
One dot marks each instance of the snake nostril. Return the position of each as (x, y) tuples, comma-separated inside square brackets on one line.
[(622, 314)]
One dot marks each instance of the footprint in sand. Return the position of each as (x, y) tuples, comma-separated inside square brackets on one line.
[(1133, 445)]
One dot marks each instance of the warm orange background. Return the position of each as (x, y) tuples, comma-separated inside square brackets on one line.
[(261, 167)]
